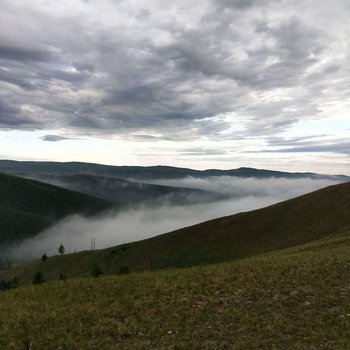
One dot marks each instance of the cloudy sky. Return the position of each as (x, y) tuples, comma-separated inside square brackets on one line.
[(202, 84)]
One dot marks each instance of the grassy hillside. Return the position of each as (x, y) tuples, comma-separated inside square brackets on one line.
[(293, 299), (27, 206), (287, 224)]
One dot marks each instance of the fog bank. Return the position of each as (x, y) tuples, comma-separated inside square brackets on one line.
[(279, 188), (75, 232)]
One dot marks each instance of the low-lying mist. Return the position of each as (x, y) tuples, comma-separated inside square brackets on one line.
[(76, 232), (279, 188)]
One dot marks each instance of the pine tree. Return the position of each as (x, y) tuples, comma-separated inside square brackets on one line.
[(61, 249)]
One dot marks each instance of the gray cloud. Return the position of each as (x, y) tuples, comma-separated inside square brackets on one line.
[(15, 79), (294, 141), (177, 73), (239, 4), (12, 117), (202, 151), (298, 41), (341, 147), (55, 138), (14, 53)]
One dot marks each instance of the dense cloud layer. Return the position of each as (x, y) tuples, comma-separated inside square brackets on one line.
[(76, 232), (216, 69)]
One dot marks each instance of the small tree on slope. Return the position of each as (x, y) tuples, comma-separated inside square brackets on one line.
[(61, 249)]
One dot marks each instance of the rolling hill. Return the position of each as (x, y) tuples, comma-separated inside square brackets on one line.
[(30, 168), (130, 193), (297, 221), (27, 207)]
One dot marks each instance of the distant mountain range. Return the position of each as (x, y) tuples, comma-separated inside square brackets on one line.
[(30, 168)]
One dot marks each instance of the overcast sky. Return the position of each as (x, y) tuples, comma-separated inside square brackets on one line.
[(202, 84)]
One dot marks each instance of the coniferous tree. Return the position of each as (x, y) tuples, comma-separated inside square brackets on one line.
[(44, 258), (61, 249)]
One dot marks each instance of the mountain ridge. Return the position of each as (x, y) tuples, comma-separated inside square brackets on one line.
[(129, 192), (144, 172)]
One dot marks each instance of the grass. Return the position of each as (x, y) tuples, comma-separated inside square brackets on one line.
[(298, 298)]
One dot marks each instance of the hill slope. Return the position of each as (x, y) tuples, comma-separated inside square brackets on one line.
[(294, 299), (130, 193), (27, 206), (304, 219)]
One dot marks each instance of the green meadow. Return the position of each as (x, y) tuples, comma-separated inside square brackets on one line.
[(298, 298)]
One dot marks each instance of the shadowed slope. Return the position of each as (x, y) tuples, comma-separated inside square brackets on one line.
[(27, 206), (129, 193), (282, 225)]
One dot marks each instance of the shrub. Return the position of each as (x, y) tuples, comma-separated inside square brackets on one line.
[(4, 285), (38, 278), (96, 271), (63, 276), (123, 270)]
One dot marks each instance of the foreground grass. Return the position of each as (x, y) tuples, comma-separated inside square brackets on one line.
[(293, 299)]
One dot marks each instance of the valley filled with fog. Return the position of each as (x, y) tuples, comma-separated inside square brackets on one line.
[(230, 195)]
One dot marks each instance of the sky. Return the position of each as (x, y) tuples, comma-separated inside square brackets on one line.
[(200, 84)]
